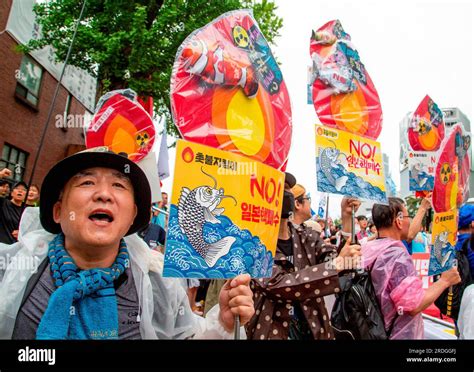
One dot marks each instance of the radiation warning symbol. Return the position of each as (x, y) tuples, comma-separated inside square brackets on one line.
[(142, 139), (445, 173), (422, 127), (241, 37)]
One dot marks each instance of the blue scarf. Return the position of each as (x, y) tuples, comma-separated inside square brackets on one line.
[(84, 305)]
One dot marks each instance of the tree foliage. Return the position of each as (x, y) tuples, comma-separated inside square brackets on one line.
[(133, 43)]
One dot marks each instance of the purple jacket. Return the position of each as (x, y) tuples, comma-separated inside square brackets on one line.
[(398, 288)]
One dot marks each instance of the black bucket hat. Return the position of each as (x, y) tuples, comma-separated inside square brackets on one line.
[(62, 172)]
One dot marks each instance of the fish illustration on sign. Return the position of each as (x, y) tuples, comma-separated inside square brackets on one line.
[(195, 208), (415, 174), (441, 243), (329, 159)]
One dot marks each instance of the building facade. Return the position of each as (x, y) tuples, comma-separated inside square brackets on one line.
[(26, 94)]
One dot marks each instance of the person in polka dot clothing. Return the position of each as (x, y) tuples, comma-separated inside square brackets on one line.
[(290, 304)]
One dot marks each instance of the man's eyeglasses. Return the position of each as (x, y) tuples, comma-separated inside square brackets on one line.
[(306, 198), (401, 216)]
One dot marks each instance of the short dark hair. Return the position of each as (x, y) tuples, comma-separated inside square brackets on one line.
[(361, 218), (4, 182), (36, 186), (383, 215)]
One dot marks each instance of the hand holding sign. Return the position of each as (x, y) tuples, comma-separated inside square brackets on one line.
[(451, 277), (235, 299)]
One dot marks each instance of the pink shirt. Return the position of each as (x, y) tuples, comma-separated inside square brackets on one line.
[(398, 288)]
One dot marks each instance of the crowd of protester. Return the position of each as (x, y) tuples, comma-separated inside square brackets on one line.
[(296, 302)]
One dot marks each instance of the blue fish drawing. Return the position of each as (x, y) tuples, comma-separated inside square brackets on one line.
[(197, 206), (329, 159), (441, 242), (415, 174)]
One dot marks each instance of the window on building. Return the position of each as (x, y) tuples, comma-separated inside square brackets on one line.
[(28, 84), (67, 108), (15, 160)]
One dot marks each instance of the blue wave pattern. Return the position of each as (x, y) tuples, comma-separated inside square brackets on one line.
[(355, 186), (247, 254), (428, 186), (435, 266)]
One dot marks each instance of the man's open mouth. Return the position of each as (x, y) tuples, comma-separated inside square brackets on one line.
[(104, 216)]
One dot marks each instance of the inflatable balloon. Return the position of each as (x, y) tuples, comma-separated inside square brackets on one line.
[(121, 124), (228, 92), (426, 130), (344, 95), (451, 184)]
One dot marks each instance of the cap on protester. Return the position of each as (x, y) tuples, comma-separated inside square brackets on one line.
[(20, 183), (290, 180), (63, 171), (298, 191), (466, 215)]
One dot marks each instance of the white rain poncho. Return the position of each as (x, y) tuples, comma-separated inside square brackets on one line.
[(466, 314), (164, 304)]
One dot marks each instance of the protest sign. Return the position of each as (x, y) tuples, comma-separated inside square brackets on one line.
[(443, 240), (347, 164), (421, 166), (224, 214)]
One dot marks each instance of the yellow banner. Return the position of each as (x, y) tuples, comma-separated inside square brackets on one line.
[(224, 214), (348, 164), (443, 241)]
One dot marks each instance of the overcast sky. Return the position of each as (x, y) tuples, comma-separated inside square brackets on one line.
[(410, 48)]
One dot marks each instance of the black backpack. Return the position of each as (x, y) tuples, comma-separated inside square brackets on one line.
[(458, 289), (356, 314)]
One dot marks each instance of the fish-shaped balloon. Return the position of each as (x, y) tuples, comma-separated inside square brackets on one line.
[(426, 130), (344, 95), (228, 92), (451, 184)]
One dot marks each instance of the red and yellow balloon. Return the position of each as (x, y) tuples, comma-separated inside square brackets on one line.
[(344, 95), (122, 125), (451, 183), (426, 130), (227, 91)]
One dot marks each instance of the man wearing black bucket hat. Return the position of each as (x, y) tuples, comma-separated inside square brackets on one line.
[(94, 278)]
